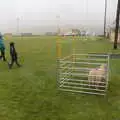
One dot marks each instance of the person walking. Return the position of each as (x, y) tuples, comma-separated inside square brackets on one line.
[(2, 48)]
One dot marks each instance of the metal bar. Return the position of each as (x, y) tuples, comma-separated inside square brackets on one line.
[(101, 55), (79, 74), (82, 92), (78, 80), (77, 68), (71, 83), (65, 68), (62, 82), (108, 73), (81, 62), (83, 88), (75, 74), (92, 59), (90, 55), (65, 64), (68, 65), (65, 74), (66, 57)]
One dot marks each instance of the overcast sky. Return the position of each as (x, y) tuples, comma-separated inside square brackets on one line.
[(44, 12)]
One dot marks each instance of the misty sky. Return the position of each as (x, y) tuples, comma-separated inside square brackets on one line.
[(43, 13)]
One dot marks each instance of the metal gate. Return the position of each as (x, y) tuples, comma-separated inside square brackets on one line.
[(81, 73)]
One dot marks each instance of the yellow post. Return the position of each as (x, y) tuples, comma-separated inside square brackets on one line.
[(73, 52), (58, 48), (73, 48)]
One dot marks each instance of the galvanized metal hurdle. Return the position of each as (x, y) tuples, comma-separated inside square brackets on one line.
[(73, 73)]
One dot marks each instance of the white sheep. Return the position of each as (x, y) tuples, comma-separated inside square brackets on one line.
[(97, 75)]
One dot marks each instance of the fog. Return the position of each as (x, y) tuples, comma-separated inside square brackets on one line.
[(39, 16)]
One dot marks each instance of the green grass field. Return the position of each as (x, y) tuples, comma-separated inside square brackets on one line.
[(30, 92)]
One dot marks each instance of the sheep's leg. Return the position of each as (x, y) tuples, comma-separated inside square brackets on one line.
[(103, 84), (89, 81), (97, 86), (92, 81), (96, 82)]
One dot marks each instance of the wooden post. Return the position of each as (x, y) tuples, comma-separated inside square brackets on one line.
[(117, 25), (58, 48), (105, 18)]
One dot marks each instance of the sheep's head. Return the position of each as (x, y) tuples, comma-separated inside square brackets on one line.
[(103, 66)]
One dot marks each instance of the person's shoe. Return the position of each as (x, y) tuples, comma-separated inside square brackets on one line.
[(4, 60), (9, 66), (0, 57), (20, 66)]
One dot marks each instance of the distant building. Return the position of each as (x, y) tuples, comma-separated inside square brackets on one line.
[(8, 35), (68, 32), (76, 31), (26, 34), (50, 33), (83, 33)]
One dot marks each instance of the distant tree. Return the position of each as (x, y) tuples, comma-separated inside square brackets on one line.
[(76, 31), (48, 33)]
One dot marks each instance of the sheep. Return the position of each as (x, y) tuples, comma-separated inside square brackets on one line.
[(92, 77), (101, 75), (97, 75)]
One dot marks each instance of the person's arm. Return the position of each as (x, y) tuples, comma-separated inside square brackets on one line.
[(3, 38)]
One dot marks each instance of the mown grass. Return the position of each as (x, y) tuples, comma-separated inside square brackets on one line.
[(30, 92)]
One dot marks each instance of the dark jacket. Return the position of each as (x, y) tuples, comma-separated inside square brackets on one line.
[(2, 46), (13, 52)]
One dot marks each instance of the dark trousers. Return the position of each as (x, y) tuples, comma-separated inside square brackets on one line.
[(3, 55), (14, 61)]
